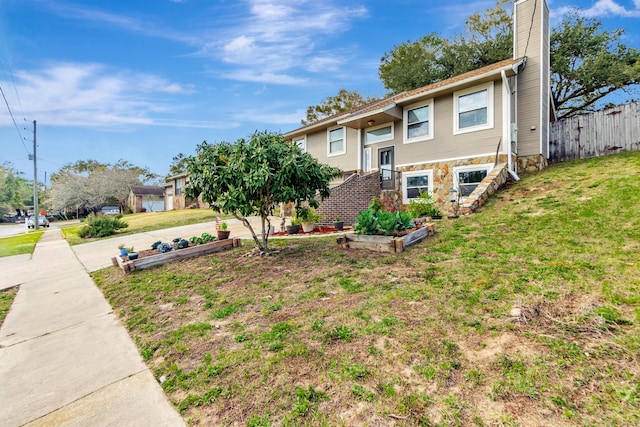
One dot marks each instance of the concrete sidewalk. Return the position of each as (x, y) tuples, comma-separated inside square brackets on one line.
[(65, 359)]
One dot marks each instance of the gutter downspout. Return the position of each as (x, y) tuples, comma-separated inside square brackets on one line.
[(507, 90)]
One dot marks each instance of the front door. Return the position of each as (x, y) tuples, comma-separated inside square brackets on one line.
[(386, 166)]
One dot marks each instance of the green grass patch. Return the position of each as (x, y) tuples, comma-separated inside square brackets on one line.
[(526, 310), (6, 299), (148, 221), (18, 245)]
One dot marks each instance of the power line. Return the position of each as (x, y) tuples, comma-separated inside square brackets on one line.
[(14, 120), (535, 7)]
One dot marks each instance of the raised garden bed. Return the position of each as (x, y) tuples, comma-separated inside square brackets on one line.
[(317, 231), (149, 258), (385, 243)]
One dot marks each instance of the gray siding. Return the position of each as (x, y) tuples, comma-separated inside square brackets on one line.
[(317, 147), (447, 145), (530, 40)]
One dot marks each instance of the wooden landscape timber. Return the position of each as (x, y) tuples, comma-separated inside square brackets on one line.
[(385, 243), (175, 255)]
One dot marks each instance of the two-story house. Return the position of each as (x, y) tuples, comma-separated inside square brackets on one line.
[(455, 133)]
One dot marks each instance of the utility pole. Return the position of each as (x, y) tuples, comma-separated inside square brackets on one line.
[(35, 181)]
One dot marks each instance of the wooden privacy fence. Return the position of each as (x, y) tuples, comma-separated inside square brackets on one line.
[(595, 134)]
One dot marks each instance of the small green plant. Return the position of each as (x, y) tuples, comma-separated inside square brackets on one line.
[(337, 219), (361, 393), (422, 206), (356, 371), (307, 215), (224, 226), (206, 237), (121, 246)]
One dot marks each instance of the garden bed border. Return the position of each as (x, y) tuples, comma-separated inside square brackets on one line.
[(385, 243), (128, 265)]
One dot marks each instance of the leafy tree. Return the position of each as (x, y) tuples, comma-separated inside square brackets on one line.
[(14, 190), (90, 184), (178, 165), (587, 63), (488, 39), (331, 105), (248, 178)]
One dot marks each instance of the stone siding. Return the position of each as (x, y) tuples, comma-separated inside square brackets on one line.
[(498, 177), (443, 177), (532, 163)]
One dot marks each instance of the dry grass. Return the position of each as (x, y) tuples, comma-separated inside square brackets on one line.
[(524, 314)]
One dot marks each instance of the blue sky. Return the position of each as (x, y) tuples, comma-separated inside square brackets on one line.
[(145, 80)]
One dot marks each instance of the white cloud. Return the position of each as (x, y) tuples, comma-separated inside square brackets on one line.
[(603, 8), (279, 40), (257, 76), (92, 95), (266, 41), (143, 26)]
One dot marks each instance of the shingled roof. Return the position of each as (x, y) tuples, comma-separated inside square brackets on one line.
[(406, 96), (147, 190)]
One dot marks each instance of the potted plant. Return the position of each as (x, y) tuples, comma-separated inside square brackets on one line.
[(338, 224), (223, 232), (294, 228), (123, 250), (308, 218), (132, 253)]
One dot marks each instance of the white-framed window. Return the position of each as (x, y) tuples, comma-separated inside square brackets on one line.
[(418, 122), (467, 178), (336, 142), (379, 133), (302, 143), (473, 109), (180, 183), (366, 159), (413, 183)]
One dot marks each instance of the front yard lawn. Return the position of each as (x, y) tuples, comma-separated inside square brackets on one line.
[(524, 314), (141, 222)]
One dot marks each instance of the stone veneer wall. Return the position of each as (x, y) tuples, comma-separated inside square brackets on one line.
[(532, 163), (443, 177), (349, 198), (488, 186)]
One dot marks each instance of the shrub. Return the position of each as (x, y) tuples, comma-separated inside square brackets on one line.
[(308, 215), (423, 205), (101, 226)]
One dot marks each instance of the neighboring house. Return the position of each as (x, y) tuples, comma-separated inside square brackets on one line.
[(175, 197), (455, 133), (146, 198)]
